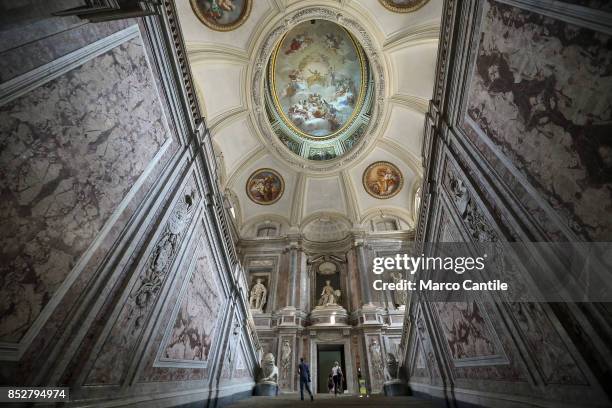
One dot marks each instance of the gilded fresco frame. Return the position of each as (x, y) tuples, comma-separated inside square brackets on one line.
[(275, 173), (246, 12), (405, 9), (362, 88), (380, 163)]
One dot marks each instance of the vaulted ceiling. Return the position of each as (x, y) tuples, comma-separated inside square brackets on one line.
[(225, 64)]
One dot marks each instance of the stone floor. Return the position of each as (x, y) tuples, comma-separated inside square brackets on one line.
[(344, 401)]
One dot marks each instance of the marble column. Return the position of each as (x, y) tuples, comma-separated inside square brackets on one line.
[(364, 272), (292, 297)]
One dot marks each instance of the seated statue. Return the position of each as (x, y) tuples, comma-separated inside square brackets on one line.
[(329, 296), (268, 369)]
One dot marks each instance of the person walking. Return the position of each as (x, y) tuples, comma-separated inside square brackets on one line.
[(337, 377), (304, 372)]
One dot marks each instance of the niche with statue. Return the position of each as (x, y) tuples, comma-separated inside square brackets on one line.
[(328, 294)]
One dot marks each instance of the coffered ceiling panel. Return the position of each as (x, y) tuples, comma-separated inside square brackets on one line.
[(404, 46), (405, 127), (220, 83), (235, 140), (324, 194), (413, 69)]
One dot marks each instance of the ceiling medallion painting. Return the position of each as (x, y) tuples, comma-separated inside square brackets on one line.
[(222, 15), (318, 93), (403, 6), (382, 180), (265, 186)]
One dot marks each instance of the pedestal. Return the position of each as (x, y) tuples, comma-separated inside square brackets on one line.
[(395, 388), (266, 389), (329, 315)]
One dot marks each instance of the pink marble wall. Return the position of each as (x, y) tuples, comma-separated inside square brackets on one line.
[(65, 168), (541, 91), (194, 327)]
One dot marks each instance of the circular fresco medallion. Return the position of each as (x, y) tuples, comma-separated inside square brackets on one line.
[(318, 78), (222, 15), (403, 6), (382, 179), (265, 186)]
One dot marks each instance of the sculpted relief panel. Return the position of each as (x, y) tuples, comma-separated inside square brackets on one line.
[(64, 170), (535, 326), (194, 327), (120, 343), (534, 82)]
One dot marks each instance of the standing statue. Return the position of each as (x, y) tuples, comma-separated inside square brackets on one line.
[(286, 360), (329, 296), (376, 356), (257, 300), (400, 297)]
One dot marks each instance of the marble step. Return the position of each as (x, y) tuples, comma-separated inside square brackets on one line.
[(324, 400)]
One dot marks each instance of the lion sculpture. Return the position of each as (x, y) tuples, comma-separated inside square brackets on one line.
[(268, 369)]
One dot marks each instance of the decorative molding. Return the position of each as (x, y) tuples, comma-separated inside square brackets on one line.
[(37, 77), (413, 35), (589, 18), (258, 75), (416, 103)]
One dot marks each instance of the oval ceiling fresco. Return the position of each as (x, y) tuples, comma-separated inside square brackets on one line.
[(318, 79), (319, 91)]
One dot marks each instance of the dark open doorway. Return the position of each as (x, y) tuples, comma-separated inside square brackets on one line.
[(327, 354)]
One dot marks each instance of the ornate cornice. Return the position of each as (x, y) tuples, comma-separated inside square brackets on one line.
[(258, 74)]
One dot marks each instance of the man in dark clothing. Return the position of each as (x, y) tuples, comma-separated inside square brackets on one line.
[(304, 372)]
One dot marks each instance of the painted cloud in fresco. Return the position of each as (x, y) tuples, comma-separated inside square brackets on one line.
[(317, 78)]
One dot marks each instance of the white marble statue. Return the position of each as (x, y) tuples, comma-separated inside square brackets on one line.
[(376, 356), (269, 370), (400, 297), (391, 367), (329, 296), (286, 360), (257, 300)]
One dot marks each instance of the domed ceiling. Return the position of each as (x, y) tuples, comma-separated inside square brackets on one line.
[(319, 90), (315, 125)]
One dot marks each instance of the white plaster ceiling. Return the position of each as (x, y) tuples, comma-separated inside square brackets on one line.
[(221, 62)]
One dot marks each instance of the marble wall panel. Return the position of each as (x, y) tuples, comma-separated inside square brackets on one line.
[(64, 170), (466, 330), (115, 355), (530, 319), (159, 368), (542, 92), (194, 327)]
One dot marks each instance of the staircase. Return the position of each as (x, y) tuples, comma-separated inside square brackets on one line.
[(345, 401)]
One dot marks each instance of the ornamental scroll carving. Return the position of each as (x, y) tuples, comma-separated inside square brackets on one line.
[(116, 353), (473, 217), (164, 253)]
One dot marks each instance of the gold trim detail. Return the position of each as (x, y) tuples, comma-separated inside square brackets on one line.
[(385, 163), (246, 12), (275, 173), (403, 9), (358, 106)]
